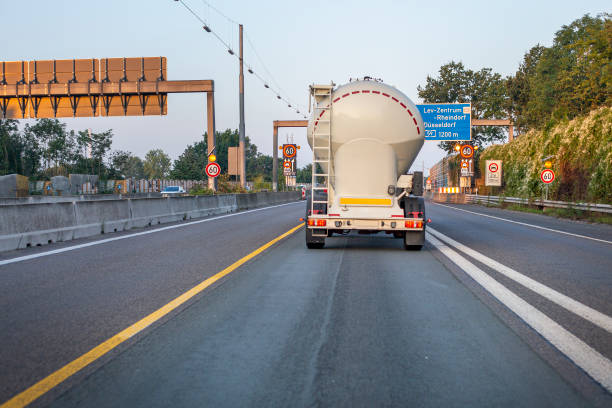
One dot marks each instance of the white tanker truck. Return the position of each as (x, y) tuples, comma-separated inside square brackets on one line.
[(364, 136)]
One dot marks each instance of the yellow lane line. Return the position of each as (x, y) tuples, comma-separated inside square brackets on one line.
[(51, 381)]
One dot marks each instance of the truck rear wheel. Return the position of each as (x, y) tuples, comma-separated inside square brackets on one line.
[(315, 245), (312, 242), (413, 241)]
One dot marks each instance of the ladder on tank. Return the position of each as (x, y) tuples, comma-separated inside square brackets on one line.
[(321, 145)]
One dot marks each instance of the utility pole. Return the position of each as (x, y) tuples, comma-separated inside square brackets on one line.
[(241, 143)]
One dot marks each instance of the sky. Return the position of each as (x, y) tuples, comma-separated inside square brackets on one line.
[(292, 44)]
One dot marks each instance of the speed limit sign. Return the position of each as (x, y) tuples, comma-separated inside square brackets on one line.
[(547, 176), (466, 151), (213, 169), (289, 151)]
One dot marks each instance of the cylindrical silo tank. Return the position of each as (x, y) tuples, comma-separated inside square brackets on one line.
[(376, 134)]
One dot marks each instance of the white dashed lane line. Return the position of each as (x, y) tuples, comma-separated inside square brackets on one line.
[(584, 356), (584, 311)]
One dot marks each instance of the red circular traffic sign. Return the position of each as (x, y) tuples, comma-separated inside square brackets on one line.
[(466, 151), (289, 151), (287, 164), (213, 169), (493, 167), (547, 176)]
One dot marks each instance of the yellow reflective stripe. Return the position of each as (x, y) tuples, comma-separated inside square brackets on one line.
[(364, 201)]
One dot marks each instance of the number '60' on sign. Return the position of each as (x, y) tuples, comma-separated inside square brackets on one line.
[(213, 169), (547, 176)]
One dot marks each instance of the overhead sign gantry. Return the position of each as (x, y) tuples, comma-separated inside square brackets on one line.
[(95, 87), (278, 124)]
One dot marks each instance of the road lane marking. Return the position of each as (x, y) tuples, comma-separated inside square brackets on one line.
[(597, 318), (524, 223), (136, 234), (51, 381), (584, 356)]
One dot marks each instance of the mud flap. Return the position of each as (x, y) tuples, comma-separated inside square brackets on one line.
[(414, 240)]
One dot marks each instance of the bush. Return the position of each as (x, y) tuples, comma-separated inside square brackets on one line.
[(224, 185), (200, 190), (581, 151)]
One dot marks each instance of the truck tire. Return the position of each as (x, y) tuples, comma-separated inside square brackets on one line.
[(414, 240), (312, 242)]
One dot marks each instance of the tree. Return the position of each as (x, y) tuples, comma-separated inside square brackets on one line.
[(55, 143), (519, 87), (568, 79), (485, 90), (190, 165), (304, 175), (127, 165), (11, 147), (156, 164)]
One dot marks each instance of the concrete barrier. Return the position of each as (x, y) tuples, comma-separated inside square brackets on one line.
[(98, 217), (458, 198), (39, 199), (31, 225), (25, 225)]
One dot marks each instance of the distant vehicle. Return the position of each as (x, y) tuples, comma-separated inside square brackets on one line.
[(359, 179), (173, 191)]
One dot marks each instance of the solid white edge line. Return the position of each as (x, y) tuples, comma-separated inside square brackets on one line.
[(584, 356), (137, 234), (597, 318), (524, 223)]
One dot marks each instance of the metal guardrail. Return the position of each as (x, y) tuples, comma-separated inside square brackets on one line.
[(474, 198)]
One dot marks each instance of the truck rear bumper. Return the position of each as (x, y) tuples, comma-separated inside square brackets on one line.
[(321, 222)]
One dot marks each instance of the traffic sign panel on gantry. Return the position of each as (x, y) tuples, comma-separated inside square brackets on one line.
[(447, 121)]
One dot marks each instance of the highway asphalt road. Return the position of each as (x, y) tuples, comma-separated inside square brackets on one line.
[(359, 323)]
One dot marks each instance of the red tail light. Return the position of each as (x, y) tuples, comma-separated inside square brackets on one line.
[(419, 224), (409, 224), (311, 222), (321, 223)]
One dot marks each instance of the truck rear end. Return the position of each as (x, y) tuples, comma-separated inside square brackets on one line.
[(364, 136)]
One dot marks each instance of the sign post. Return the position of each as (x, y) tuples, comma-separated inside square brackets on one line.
[(547, 176), (289, 163), (447, 121)]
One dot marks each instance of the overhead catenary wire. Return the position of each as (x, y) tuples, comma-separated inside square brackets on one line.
[(263, 64), (276, 89)]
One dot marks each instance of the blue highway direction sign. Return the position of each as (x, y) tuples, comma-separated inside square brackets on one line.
[(447, 121)]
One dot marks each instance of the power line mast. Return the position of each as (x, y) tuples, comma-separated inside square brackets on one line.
[(241, 129)]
